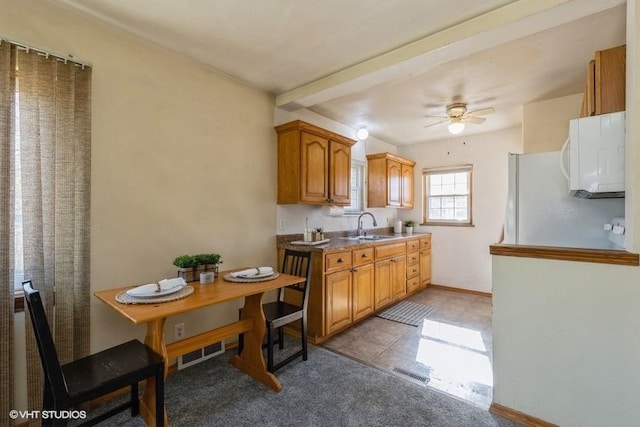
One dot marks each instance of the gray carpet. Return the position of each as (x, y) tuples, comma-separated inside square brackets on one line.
[(407, 312), (326, 390)]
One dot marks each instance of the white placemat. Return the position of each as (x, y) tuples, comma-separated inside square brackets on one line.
[(124, 298)]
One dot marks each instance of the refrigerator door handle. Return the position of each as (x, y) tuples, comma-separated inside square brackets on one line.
[(563, 155)]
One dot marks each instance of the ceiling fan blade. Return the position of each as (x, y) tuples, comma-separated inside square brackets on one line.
[(437, 123), (482, 112), (474, 120), (439, 117)]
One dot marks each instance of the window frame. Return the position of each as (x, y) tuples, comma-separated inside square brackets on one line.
[(426, 173), (363, 187)]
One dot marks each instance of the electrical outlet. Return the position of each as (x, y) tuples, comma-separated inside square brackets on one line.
[(283, 224), (179, 331)]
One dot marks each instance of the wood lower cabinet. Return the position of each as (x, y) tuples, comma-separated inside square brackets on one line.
[(338, 291), (362, 278), (425, 261), (390, 275), (351, 284), (314, 165), (363, 291), (383, 289), (413, 266), (399, 277)]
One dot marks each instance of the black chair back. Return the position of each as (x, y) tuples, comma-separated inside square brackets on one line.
[(48, 353), (297, 263)]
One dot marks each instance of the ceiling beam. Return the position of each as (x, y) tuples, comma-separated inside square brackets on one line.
[(510, 22)]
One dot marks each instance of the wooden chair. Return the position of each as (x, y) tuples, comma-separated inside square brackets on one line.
[(290, 306), (68, 385)]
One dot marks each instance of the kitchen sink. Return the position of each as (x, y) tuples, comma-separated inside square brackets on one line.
[(372, 237)]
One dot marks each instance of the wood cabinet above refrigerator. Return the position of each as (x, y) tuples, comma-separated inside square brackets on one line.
[(314, 165), (390, 181)]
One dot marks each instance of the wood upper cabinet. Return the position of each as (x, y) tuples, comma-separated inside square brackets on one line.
[(390, 181), (606, 82), (314, 165)]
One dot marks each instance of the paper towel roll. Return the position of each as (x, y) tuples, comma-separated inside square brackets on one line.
[(329, 210), (397, 227)]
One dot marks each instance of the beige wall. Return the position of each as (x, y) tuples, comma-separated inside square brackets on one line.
[(460, 256), (171, 146), (545, 124)]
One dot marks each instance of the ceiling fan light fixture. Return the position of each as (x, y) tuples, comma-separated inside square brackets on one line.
[(362, 133), (456, 126)]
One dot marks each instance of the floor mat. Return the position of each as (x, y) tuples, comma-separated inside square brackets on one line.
[(407, 312)]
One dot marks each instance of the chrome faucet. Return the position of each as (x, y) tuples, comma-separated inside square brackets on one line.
[(360, 230)]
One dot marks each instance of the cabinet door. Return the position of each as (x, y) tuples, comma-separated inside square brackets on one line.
[(382, 282), (314, 168), (398, 277), (394, 183), (407, 186), (338, 300), (425, 267), (363, 298), (340, 174)]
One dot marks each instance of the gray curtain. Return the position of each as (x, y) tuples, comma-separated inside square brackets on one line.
[(55, 157), (6, 231)]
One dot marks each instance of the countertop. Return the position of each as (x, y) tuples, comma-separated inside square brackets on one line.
[(338, 243)]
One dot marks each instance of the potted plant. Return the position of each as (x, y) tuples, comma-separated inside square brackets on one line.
[(186, 267), (209, 262), (408, 227)]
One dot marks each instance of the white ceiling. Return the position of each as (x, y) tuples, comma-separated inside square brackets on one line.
[(385, 64)]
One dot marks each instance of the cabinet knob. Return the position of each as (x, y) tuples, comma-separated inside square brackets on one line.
[(340, 260), (364, 255)]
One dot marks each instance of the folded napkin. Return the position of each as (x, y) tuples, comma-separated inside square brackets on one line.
[(166, 284), (255, 271)]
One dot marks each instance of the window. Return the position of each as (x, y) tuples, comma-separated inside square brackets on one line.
[(447, 195), (357, 188)]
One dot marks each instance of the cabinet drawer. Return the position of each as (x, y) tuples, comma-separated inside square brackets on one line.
[(393, 249), (425, 243), (413, 270), (337, 261), (413, 258), (362, 256), (413, 283), (413, 245)]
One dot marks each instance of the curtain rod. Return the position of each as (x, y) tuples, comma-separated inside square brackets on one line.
[(46, 52)]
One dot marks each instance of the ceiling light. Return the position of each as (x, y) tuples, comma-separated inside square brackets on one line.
[(362, 133), (456, 126)]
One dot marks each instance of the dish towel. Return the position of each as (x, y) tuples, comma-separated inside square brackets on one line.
[(255, 271)]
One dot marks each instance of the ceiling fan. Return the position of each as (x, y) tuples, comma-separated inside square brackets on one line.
[(457, 116)]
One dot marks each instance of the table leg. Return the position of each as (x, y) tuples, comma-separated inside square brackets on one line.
[(251, 360), (155, 340)]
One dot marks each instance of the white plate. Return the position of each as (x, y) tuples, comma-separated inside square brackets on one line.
[(255, 276), (150, 290)]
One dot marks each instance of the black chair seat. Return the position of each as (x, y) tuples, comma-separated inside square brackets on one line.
[(66, 386), (282, 312), (109, 370)]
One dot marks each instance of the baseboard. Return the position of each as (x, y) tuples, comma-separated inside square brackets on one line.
[(517, 416), (461, 290)]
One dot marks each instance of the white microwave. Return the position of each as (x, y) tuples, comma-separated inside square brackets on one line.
[(595, 151)]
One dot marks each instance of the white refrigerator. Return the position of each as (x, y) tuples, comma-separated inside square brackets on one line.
[(541, 212)]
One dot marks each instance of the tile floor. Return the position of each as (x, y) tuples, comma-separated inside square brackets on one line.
[(450, 352)]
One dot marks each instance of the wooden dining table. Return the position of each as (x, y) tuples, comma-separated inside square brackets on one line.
[(252, 325)]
